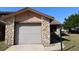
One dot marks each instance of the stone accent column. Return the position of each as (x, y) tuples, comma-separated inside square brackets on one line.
[(9, 32), (45, 31)]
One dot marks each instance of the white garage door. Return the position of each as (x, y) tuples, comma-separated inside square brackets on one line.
[(28, 33)]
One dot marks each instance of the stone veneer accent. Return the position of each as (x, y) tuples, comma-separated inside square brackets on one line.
[(9, 32), (45, 30)]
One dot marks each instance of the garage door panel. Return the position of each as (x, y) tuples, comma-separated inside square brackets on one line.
[(29, 33)]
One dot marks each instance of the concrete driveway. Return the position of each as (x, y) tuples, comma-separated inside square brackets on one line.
[(27, 47), (34, 47)]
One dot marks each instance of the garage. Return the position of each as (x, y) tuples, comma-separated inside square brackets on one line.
[(28, 33), (27, 26)]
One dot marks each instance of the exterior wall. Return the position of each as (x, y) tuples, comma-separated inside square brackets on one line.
[(9, 32), (24, 18), (45, 32), (35, 18)]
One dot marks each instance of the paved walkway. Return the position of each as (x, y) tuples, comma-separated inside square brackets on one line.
[(34, 47)]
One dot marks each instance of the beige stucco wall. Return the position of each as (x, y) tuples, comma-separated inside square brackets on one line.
[(28, 18)]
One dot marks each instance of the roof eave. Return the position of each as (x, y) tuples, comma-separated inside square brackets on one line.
[(20, 11)]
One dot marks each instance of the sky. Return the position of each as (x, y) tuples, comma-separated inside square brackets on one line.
[(58, 12)]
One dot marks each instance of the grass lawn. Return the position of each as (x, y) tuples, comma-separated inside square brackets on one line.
[(2, 46), (71, 42)]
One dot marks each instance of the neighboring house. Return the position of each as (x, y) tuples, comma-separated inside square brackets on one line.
[(28, 26), (2, 25), (55, 31)]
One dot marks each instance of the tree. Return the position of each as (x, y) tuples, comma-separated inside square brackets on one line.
[(71, 21)]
